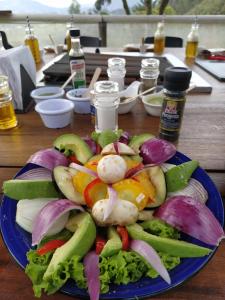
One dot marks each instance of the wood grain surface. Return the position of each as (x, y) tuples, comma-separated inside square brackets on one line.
[(202, 138)]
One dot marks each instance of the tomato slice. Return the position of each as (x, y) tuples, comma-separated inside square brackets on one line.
[(122, 231), (49, 246), (94, 191), (73, 158), (99, 244), (131, 190)]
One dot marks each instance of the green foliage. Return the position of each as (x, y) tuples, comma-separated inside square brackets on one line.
[(74, 7), (209, 7)]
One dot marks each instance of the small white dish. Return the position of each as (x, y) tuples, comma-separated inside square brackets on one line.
[(81, 105), (47, 92), (131, 91), (153, 103), (55, 113)]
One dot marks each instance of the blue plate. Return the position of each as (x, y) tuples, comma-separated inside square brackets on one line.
[(18, 243)]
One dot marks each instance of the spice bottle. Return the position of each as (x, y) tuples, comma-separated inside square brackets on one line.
[(32, 42), (176, 82), (7, 113), (149, 73), (159, 39), (106, 102), (77, 62), (117, 71), (192, 41)]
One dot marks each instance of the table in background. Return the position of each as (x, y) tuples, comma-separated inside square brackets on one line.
[(202, 138)]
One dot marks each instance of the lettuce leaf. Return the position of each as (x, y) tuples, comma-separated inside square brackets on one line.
[(160, 228)]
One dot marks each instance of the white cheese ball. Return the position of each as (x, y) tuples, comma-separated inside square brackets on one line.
[(111, 168), (123, 213)]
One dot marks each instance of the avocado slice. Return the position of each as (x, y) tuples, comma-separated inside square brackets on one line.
[(170, 246), (73, 143), (138, 140), (29, 189), (157, 178), (63, 178), (79, 244), (113, 245), (177, 178)]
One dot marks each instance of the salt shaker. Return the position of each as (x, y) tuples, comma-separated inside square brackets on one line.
[(149, 73), (117, 71), (106, 102)]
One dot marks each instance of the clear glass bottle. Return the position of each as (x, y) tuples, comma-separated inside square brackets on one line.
[(159, 39), (106, 102), (7, 113), (192, 42), (116, 71), (176, 82), (77, 61), (32, 42), (149, 73)]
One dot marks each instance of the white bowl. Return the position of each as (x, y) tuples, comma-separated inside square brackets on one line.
[(81, 105), (126, 106), (47, 92), (55, 113), (153, 103), (131, 91)]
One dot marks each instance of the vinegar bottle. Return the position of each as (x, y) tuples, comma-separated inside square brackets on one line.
[(32, 42), (192, 42), (159, 39)]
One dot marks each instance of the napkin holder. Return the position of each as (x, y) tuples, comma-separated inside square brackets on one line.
[(18, 64)]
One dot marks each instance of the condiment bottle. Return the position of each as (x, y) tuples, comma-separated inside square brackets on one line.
[(117, 71), (176, 82), (77, 62), (32, 42), (68, 37), (7, 113), (159, 39), (149, 73), (106, 102), (192, 41)]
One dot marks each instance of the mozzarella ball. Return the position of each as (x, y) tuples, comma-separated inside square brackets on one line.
[(124, 213), (111, 168)]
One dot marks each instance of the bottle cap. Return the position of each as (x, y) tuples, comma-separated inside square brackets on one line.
[(177, 79), (74, 32)]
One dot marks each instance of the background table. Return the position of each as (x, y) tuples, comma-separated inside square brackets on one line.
[(202, 138)]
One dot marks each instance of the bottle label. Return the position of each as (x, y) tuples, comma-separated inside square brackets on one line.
[(78, 66), (171, 116)]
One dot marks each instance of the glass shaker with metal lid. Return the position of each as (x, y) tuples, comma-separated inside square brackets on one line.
[(106, 102), (149, 73), (117, 71)]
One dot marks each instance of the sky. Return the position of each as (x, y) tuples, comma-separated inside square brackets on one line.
[(64, 3)]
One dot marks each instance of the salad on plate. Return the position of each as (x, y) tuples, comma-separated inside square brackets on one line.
[(109, 210)]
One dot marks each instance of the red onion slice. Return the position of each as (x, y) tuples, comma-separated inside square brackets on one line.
[(91, 143), (192, 217), (152, 258), (48, 215), (37, 173), (110, 204), (124, 138), (48, 158), (157, 151), (92, 273), (83, 169)]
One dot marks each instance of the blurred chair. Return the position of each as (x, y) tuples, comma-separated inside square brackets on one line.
[(90, 41), (171, 41), (5, 43)]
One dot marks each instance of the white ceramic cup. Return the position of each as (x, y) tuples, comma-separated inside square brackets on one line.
[(81, 105), (47, 92), (55, 113)]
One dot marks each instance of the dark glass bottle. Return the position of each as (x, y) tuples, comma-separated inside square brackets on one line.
[(176, 82)]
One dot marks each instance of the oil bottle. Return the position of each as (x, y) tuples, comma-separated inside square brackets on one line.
[(32, 42), (159, 39), (192, 41)]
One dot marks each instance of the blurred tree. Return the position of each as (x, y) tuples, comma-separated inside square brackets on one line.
[(74, 7), (208, 7), (100, 3), (153, 7)]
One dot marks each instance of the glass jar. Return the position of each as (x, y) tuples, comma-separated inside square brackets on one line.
[(32, 42), (7, 113), (116, 70), (149, 73), (176, 82), (106, 102)]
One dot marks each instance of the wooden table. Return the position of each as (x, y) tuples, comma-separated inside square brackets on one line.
[(201, 138)]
